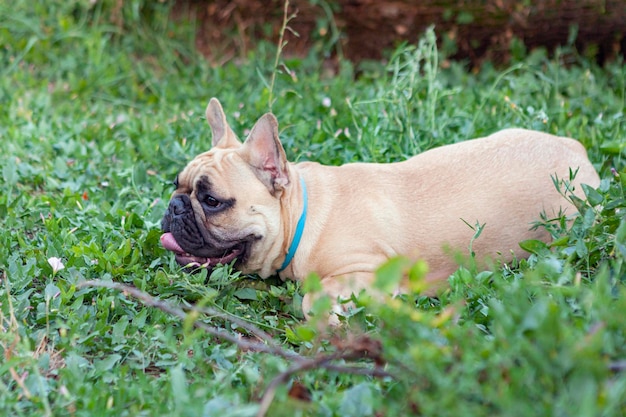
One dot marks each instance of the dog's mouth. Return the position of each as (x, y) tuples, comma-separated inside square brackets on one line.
[(189, 260)]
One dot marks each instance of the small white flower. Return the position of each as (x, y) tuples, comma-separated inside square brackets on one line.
[(326, 102), (56, 264)]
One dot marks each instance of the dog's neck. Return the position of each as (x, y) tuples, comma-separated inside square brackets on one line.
[(297, 235)]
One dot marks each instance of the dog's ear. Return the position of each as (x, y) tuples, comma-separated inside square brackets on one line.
[(223, 135), (264, 152)]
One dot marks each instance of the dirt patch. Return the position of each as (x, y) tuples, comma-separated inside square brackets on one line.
[(364, 29)]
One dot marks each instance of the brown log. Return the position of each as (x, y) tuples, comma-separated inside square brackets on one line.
[(481, 29)]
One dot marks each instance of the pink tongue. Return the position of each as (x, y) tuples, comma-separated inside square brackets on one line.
[(169, 243)]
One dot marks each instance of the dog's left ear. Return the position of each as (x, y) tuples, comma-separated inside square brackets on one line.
[(264, 152), (223, 135)]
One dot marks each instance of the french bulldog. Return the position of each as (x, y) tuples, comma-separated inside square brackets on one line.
[(245, 202)]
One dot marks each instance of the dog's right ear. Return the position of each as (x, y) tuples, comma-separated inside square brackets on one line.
[(265, 154), (223, 135)]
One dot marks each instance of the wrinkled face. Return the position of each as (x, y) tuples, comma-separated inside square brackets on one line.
[(227, 201), (219, 212)]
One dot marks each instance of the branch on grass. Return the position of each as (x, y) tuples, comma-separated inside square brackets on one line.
[(359, 348), (324, 361), (222, 334)]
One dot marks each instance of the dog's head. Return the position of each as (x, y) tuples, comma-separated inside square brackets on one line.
[(227, 204)]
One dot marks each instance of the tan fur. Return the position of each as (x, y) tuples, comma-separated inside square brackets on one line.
[(360, 215)]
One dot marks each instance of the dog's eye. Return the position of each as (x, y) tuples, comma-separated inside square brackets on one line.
[(176, 182), (212, 201)]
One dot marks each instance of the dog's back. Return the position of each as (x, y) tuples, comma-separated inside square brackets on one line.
[(422, 207)]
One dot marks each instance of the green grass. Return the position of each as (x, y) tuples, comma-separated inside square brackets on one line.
[(97, 118)]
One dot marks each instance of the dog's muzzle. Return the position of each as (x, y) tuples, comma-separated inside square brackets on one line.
[(183, 237)]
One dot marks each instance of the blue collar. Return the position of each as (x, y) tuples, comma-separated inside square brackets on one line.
[(299, 228)]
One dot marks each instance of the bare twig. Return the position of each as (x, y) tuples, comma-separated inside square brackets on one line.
[(360, 349), (279, 50), (235, 320), (222, 334), (314, 363)]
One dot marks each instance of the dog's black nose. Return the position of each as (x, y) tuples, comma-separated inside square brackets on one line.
[(178, 205), (178, 209)]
